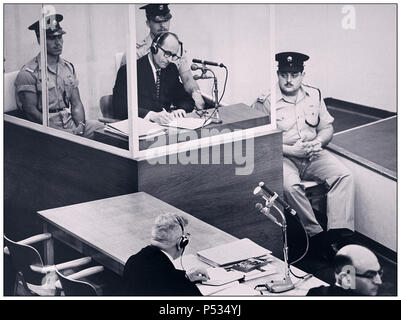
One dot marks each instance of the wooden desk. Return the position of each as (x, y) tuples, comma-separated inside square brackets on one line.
[(237, 116), (111, 230)]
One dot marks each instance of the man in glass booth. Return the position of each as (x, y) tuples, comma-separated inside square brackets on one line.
[(306, 124), (158, 17), (66, 111), (161, 95)]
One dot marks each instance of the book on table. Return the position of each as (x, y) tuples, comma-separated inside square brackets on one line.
[(232, 252)]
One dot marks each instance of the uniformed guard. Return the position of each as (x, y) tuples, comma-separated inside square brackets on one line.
[(66, 111), (302, 116)]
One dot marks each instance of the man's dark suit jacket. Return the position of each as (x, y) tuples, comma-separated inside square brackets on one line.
[(171, 90), (331, 291), (151, 273)]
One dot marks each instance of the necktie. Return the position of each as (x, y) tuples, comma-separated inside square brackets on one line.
[(158, 86)]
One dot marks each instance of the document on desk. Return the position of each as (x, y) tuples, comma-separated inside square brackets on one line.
[(232, 252), (120, 128), (220, 276), (188, 123), (145, 128)]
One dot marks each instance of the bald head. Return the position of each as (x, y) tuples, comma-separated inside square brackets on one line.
[(362, 258), (365, 265)]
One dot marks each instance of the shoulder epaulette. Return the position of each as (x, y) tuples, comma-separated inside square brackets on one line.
[(318, 90), (72, 66)]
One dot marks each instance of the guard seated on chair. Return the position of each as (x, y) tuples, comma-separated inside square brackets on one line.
[(66, 111), (307, 128)]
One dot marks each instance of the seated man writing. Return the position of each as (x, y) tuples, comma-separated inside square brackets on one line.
[(161, 95), (151, 271), (66, 111)]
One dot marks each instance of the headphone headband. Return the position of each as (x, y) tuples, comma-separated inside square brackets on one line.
[(155, 43), (184, 238)]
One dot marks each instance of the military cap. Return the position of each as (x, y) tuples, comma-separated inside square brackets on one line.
[(53, 27), (157, 12), (291, 61)]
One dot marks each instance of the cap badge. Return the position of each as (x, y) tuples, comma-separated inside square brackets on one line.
[(289, 59), (161, 7)]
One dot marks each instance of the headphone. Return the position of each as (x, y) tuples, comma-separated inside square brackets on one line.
[(184, 238), (155, 43), (154, 48)]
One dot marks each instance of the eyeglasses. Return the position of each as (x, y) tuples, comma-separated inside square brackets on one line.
[(169, 54), (370, 274)]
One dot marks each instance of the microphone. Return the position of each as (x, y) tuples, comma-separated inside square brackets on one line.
[(285, 205), (195, 67), (266, 212), (201, 76), (210, 63)]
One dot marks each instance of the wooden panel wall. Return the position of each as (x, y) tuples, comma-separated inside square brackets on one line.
[(42, 172), (215, 194)]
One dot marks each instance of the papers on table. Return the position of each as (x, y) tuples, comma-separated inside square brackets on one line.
[(232, 252), (188, 123), (145, 128), (219, 276), (119, 127)]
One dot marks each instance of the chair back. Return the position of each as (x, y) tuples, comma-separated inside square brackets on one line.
[(10, 102), (106, 106), (76, 287), (22, 257)]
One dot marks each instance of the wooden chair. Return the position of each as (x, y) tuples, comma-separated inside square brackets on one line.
[(72, 285), (106, 107), (33, 277)]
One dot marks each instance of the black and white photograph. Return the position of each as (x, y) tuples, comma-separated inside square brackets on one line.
[(200, 150)]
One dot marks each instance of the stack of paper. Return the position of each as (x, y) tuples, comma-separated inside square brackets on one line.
[(144, 128), (119, 127), (232, 252), (220, 276)]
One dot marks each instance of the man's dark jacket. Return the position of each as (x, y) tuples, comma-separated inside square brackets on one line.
[(151, 273), (172, 91), (331, 291)]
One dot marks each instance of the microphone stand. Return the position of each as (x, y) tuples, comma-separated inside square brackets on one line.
[(285, 284), (216, 118)]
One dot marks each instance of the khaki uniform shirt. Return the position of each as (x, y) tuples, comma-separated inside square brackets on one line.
[(61, 82), (143, 48), (290, 117)]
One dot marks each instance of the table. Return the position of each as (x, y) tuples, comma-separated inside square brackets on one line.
[(237, 116), (112, 229), (373, 145)]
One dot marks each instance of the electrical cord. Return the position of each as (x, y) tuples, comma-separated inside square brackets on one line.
[(221, 97)]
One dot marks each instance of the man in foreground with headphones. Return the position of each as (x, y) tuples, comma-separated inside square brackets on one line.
[(302, 115), (151, 271), (357, 273), (161, 95)]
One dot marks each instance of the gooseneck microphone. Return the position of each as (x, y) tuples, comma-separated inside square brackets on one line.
[(285, 205), (210, 63), (266, 212), (195, 67)]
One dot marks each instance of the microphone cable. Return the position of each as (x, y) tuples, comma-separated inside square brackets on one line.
[(303, 255), (221, 97)]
